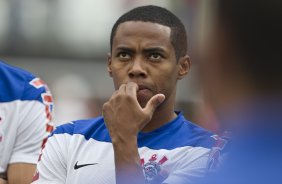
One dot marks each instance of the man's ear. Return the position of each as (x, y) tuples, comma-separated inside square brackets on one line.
[(184, 65), (109, 67)]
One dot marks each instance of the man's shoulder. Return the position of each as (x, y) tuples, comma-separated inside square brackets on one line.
[(90, 129), (196, 135), (176, 134), (14, 75), (19, 84), (14, 70)]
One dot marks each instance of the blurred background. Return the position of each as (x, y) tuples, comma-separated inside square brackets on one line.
[(65, 42)]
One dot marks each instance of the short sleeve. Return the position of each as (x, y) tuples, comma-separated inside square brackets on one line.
[(34, 125), (52, 165)]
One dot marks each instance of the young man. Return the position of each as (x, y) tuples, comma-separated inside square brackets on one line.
[(139, 138), (25, 115), (242, 76)]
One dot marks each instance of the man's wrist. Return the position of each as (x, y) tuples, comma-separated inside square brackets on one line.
[(124, 140), (127, 148)]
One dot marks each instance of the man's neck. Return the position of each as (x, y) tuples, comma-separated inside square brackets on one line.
[(163, 114)]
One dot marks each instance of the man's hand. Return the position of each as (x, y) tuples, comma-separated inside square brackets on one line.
[(124, 118)]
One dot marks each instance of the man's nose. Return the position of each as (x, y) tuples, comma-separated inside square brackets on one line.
[(137, 69)]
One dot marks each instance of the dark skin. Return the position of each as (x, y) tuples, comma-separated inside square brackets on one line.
[(19, 173), (145, 73)]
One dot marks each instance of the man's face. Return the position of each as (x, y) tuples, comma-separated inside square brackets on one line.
[(142, 53)]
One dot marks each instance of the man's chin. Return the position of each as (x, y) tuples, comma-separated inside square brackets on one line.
[(142, 101)]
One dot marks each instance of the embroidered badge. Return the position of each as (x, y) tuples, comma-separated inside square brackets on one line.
[(153, 167)]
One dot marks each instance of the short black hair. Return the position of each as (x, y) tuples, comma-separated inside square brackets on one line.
[(256, 27), (159, 15)]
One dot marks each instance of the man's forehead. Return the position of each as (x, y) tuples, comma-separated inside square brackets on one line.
[(150, 34), (150, 27)]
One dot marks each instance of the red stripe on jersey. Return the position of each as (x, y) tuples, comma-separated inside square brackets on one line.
[(48, 98), (44, 142), (142, 162), (49, 128), (36, 176), (48, 113), (163, 160), (38, 83), (39, 158)]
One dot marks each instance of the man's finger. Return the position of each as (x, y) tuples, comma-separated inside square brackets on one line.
[(131, 89), (153, 103), (122, 88), (113, 95)]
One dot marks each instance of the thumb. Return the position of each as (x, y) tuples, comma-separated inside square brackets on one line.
[(153, 103)]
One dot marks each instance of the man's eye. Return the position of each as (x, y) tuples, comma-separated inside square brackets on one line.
[(123, 55), (155, 56)]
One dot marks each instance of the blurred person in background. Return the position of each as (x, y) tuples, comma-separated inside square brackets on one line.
[(25, 116), (73, 98), (242, 78), (139, 138)]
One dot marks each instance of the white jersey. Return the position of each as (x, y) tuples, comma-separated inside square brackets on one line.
[(25, 114), (82, 152)]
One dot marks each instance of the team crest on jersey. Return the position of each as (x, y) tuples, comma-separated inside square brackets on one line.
[(153, 167)]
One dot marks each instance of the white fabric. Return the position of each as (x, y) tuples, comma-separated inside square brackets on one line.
[(64, 150), (23, 128)]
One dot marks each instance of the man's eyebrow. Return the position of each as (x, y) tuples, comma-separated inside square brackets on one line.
[(154, 49), (125, 49)]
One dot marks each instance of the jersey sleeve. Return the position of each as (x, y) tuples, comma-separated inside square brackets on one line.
[(218, 152), (203, 162), (52, 164), (190, 170), (34, 125)]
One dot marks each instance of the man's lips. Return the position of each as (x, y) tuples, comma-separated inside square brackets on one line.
[(146, 89), (142, 87)]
